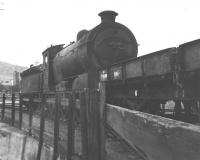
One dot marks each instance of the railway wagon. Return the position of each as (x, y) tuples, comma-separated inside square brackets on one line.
[(149, 82)]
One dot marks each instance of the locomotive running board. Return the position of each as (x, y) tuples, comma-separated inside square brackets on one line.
[(159, 138)]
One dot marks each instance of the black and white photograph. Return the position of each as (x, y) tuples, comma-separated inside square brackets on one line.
[(99, 80)]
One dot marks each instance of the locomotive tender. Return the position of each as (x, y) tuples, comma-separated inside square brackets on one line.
[(147, 83)]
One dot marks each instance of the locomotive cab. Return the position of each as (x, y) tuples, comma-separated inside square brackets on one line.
[(48, 56)]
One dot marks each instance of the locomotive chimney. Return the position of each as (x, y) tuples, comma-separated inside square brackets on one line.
[(108, 16)]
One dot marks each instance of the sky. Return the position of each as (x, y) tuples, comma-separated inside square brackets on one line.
[(28, 27)]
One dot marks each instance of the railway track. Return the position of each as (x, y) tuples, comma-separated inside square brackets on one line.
[(135, 153)]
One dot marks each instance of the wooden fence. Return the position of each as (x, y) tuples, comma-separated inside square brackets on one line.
[(91, 124)]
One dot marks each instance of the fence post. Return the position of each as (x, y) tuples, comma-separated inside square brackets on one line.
[(56, 126), (13, 110), (83, 121), (20, 111), (3, 106), (30, 114), (102, 121), (42, 124), (93, 126), (94, 139), (71, 128)]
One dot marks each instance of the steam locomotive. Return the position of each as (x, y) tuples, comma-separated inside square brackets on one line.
[(148, 83), (107, 43)]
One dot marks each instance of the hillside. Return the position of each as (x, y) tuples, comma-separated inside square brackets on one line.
[(7, 69)]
